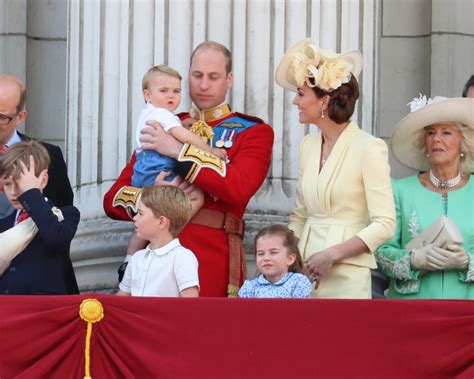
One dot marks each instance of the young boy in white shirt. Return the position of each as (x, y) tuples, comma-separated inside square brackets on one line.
[(164, 268)]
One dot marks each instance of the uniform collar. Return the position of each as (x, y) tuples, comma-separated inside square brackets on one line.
[(212, 114), (164, 249), (262, 280)]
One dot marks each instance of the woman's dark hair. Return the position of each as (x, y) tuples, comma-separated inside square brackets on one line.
[(290, 241), (469, 84), (342, 103)]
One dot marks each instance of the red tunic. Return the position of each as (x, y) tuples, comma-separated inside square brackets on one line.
[(250, 157)]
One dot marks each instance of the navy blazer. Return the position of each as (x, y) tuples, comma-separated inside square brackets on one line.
[(44, 267)]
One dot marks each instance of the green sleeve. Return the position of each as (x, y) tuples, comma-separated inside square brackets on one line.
[(394, 260), (468, 276)]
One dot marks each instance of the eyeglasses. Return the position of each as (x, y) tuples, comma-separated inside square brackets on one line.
[(7, 118)]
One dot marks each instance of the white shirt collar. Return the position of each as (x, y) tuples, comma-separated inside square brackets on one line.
[(15, 138), (164, 249), (262, 280)]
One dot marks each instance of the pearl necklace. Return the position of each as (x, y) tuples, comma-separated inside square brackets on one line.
[(444, 184)]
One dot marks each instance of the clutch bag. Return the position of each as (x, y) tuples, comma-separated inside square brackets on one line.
[(442, 232)]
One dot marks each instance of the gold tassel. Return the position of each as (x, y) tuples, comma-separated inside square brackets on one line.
[(91, 311), (232, 291)]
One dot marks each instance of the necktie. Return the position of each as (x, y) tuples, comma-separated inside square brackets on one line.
[(2, 150), (22, 216)]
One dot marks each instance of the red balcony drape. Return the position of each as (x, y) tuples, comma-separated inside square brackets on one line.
[(44, 337)]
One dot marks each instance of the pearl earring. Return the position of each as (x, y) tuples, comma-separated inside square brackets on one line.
[(427, 155), (462, 155), (322, 113)]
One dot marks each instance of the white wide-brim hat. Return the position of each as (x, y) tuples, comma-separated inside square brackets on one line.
[(439, 111), (285, 77)]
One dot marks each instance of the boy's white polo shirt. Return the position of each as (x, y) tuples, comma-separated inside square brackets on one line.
[(161, 272)]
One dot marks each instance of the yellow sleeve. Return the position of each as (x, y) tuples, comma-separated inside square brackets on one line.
[(379, 195), (299, 215)]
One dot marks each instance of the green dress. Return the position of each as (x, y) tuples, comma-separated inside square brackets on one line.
[(417, 208)]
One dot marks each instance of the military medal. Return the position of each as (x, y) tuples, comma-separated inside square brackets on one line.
[(230, 140), (220, 142)]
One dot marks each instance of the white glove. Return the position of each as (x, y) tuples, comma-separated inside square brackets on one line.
[(455, 257), (426, 258)]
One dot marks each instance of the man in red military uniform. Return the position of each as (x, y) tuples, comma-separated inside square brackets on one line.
[(215, 233)]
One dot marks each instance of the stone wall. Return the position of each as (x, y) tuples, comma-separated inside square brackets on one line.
[(426, 46), (33, 39)]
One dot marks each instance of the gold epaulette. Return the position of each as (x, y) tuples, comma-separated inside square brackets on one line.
[(200, 159), (128, 198)]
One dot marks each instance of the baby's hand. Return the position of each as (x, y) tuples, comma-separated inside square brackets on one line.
[(187, 123), (220, 153), (160, 179), (27, 178)]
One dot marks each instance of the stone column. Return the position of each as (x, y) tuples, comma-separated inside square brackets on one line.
[(404, 63), (46, 70), (427, 46), (13, 37), (452, 46)]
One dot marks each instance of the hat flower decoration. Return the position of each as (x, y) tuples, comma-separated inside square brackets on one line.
[(419, 102), (306, 63)]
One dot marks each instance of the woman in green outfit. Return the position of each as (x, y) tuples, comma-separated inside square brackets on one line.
[(437, 139)]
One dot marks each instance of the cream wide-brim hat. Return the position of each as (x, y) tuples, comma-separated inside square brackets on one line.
[(405, 136), (285, 78)]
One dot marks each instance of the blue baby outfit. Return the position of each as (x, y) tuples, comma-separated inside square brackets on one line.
[(292, 285), (150, 163)]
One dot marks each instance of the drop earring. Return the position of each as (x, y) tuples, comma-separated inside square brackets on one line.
[(322, 113)]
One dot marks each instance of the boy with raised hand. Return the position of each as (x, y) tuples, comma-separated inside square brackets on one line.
[(164, 268), (40, 264)]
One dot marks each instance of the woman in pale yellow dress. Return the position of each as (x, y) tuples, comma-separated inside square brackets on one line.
[(344, 207)]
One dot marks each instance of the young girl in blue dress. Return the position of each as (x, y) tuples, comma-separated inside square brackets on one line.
[(279, 264)]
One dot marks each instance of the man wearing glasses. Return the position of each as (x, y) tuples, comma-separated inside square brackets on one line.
[(12, 115)]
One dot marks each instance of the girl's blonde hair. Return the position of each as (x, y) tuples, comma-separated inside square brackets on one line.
[(290, 241)]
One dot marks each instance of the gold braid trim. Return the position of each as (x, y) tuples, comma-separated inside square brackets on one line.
[(128, 198), (232, 291), (191, 175), (91, 311), (201, 129), (201, 159)]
